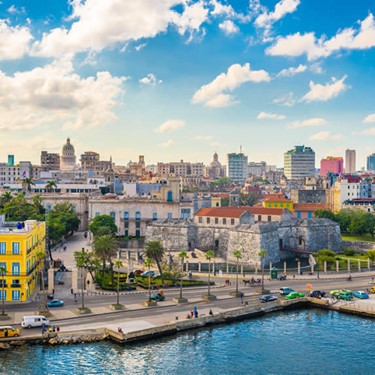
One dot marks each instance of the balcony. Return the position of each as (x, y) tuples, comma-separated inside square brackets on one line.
[(15, 285)]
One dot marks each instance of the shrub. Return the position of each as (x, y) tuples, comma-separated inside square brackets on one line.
[(349, 252)]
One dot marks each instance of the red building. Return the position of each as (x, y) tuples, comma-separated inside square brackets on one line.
[(331, 164)]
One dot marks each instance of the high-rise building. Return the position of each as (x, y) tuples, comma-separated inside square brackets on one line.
[(331, 164), (299, 162), (49, 161), (10, 160), (371, 162), (256, 169), (68, 157), (237, 167), (350, 163)]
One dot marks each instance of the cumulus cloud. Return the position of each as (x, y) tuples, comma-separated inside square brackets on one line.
[(211, 94), (265, 20), (150, 80), (319, 92), (140, 46), (167, 143), (270, 116), (292, 71), (99, 24), (286, 100), (315, 121), (308, 44), (228, 27), (369, 119), (170, 126), (55, 94), (14, 41), (325, 136)]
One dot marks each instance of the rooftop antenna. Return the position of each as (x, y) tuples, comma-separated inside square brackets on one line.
[(240, 149)]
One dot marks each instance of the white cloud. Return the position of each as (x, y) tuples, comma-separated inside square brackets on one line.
[(315, 121), (319, 92), (55, 94), (140, 46), (150, 80), (270, 116), (167, 143), (170, 126), (266, 19), (228, 27), (369, 131), (14, 41), (286, 100), (212, 94), (102, 24), (220, 10), (314, 48), (369, 119), (325, 136), (292, 71), (202, 138)]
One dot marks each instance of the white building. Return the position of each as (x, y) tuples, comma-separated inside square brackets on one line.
[(299, 162), (237, 167)]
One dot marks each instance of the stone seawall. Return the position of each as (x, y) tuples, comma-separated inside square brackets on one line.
[(358, 246)]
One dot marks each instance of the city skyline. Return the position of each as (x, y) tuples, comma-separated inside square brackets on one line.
[(178, 80)]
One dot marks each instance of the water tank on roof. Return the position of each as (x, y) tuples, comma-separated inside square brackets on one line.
[(19, 225)]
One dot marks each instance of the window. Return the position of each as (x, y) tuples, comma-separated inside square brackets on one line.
[(3, 265), (138, 224), (259, 217), (138, 233), (3, 247), (232, 221), (97, 214), (3, 295), (224, 221), (185, 213), (309, 215), (299, 214), (217, 204), (169, 215), (126, 215), (15, 269), (16, 283), (216, 220), (16, 294), (113, 215), (126, 234), (200, 219), (170, 196), (155, 216), (126, 224), (208, 220), (269, 218), (16, 248), (137, 215)]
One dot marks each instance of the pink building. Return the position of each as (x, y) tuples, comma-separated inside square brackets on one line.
[(331, 164)]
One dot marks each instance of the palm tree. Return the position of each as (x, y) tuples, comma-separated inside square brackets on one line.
[(28, 181), (154, 250), (82, 258), (118, 265), (105, 247), (182, 255), (238, 255), (262, 254), (148, 263), (50, 186), (209, 256), (6, 197), (43, 302), (3, 272)]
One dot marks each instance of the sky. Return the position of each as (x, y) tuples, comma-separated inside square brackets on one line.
[(181, 79)]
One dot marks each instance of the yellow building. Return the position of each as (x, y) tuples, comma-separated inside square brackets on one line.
[(277, 202), (20, 244)]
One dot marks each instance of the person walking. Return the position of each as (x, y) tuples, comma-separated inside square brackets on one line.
[(195, 312)]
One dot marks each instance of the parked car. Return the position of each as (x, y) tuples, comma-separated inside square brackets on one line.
[(146, 273), (9, 331), (345, 296), (285, 291), (294, 295), (372, 290), (337, 292), (138, 272), (267, 298), (158, 297), (361, 294), (317, 293), (55, 303)]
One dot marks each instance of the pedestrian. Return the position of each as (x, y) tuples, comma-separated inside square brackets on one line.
[(195, 312), (57, 329), (372, 279), (192, 313), (210, 312), (53, 329), (43, 330), (64, 248), (5, 333), (241, 298)]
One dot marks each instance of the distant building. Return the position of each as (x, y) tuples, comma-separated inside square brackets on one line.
[(257, 169), (68, 157), (371, 163), (49, 161), (215, 170), (180, 169), (90, 161), (331, 164), (237, 167), (350, 162), (10, 160), (299, 162)]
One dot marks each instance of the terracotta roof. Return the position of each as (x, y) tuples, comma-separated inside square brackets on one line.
[(273, 196), (220, 195), (264, 210), (309, 206), (229, 212)]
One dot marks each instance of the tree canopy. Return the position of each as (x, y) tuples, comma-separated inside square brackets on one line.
[(102, 221)]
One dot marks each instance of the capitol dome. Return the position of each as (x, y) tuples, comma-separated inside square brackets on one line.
[(68, 157)]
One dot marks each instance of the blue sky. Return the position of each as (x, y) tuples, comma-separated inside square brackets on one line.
[(181, 79)]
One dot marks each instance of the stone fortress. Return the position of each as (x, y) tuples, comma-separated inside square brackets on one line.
[(227, 229)]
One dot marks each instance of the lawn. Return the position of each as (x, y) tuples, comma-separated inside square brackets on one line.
[(357, 237)]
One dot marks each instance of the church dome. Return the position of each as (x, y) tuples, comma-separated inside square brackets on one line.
[(68, 157), (68, 148)]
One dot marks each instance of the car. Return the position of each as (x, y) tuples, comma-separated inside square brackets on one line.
[(317, 293), (361, 294), (372, 290), (158, 297), (267, 298), (55, 303), (337, 292), (345, 296), (9, 331), (285, 291), (138, 272), (147, 273), (294, 295)]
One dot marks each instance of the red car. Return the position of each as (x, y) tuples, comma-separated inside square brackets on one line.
[(138, 272)]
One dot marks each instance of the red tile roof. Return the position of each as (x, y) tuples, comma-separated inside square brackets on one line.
[(220, 195), (229, 212)]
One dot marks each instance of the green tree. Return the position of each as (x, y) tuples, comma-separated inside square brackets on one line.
[(38, 204), (209, 255), (50, 186), (324, 214), (148, 263), (118, 265), (262, 254), (182, 255), (155, 251), (371, 254), (102, 221), (238, 255), (28, 182), (18, 209), (43, 306), (105, 247), (82, 258), (327, 256), (344, 218)]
